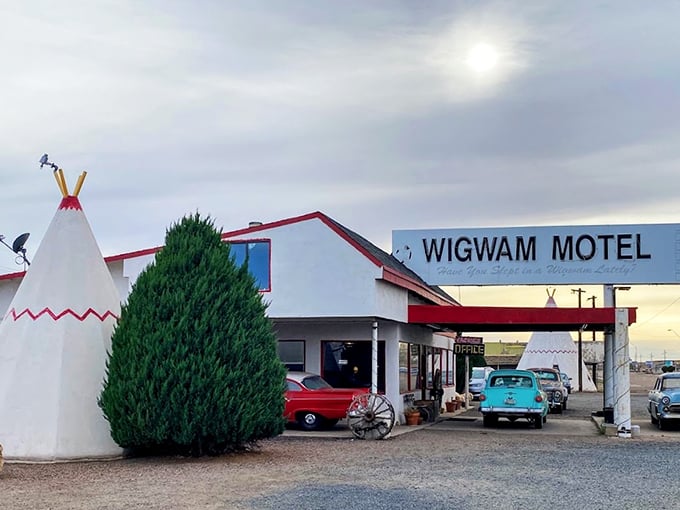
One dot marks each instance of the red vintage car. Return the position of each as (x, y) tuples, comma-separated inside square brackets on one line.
[(313, 403)]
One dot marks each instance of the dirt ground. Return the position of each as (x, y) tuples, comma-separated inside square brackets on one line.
[(232, 481), (641, 382)]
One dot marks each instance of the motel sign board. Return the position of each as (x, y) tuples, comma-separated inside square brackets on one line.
[(468, 345), (591, 254)]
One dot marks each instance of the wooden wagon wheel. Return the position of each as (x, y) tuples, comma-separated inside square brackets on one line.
[(370, 416)]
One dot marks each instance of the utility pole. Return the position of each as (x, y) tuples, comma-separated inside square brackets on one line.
[(580, 344), (594, 365), (592, 298)]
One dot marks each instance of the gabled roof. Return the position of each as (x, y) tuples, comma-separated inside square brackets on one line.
[(393, 271)]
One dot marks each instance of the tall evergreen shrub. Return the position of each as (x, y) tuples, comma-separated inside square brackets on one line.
[(193, 367)]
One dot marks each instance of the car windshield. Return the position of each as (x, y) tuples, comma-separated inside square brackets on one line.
[(565, 378), (477, 373), (315, 382), (547, 376), (670, 383), (510, 381)]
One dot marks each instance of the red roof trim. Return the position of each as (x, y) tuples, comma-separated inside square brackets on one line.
[(390, 275), (11, 276), (299, 219), (133, 254), (490, 318)]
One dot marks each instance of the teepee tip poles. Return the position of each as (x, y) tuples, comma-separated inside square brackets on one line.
[(61, 180), (79, 183)]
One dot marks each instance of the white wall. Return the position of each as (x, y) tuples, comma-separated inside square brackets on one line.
[(316, 273), (7, 290)]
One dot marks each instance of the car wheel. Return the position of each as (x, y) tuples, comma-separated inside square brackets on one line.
[(661, 423), (653, 418), (538, 422), (310, 421), (558, 410), (564, 406)]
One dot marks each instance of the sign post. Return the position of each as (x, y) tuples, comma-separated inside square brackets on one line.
[(467, 345)]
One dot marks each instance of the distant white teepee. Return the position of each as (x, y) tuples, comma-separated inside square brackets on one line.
[(548, 348), (53, 345)]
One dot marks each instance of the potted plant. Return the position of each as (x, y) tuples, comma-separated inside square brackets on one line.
[(412, 415)]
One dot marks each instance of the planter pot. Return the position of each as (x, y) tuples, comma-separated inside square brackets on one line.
[(450, 407), (412, 418)]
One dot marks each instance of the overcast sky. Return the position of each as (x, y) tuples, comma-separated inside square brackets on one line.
[(374, 113)]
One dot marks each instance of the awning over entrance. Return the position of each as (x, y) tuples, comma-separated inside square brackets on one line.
[(503, 318)]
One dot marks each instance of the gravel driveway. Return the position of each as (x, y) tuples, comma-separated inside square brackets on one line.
[(428, 468)]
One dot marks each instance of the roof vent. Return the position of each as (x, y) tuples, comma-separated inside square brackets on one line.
[(254, 224)]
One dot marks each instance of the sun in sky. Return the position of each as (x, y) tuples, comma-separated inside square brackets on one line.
[(482, 57)]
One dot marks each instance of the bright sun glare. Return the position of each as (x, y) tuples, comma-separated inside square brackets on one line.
[(482, 57)]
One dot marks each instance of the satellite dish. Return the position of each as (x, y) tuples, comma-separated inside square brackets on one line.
[(18, 247), (18, 244)]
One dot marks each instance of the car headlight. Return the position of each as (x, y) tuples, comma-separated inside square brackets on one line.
[(558, 395), (666, 400)]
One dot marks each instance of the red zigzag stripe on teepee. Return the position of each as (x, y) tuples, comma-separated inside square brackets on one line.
[(551, 351), (56, 317)]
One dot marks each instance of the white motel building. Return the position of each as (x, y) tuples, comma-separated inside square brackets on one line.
[(326, 286)]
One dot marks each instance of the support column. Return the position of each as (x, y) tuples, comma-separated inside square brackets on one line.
[(467, 381), (608, 374), (622, 413), (374, 358)]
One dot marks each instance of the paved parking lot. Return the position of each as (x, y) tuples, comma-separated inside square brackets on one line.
[(577, 420)]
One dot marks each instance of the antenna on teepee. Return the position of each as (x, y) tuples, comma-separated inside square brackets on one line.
[(44, 161), (18, 248), (59, 177)]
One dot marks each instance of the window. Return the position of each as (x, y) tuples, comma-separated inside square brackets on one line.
[(409, 368), (258, 256), (347, 364), (292, 354), (293, 386)]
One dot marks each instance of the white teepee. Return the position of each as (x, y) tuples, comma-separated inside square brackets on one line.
[(53, 346), (549, 348)]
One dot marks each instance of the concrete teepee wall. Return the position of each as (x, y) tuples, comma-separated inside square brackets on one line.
[(548, 348), (53, 346)]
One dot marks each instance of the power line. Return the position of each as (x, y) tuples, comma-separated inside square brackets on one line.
[(657, 314)]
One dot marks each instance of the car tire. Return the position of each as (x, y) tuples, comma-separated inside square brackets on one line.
[(538, 422), (661, 423), (564, 406), (655, 420), (310, 421)]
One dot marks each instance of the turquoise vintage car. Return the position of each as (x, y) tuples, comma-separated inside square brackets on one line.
[(664, 400), (513, 394)]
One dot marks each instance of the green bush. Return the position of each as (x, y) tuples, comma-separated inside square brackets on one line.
[(193, 367)]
